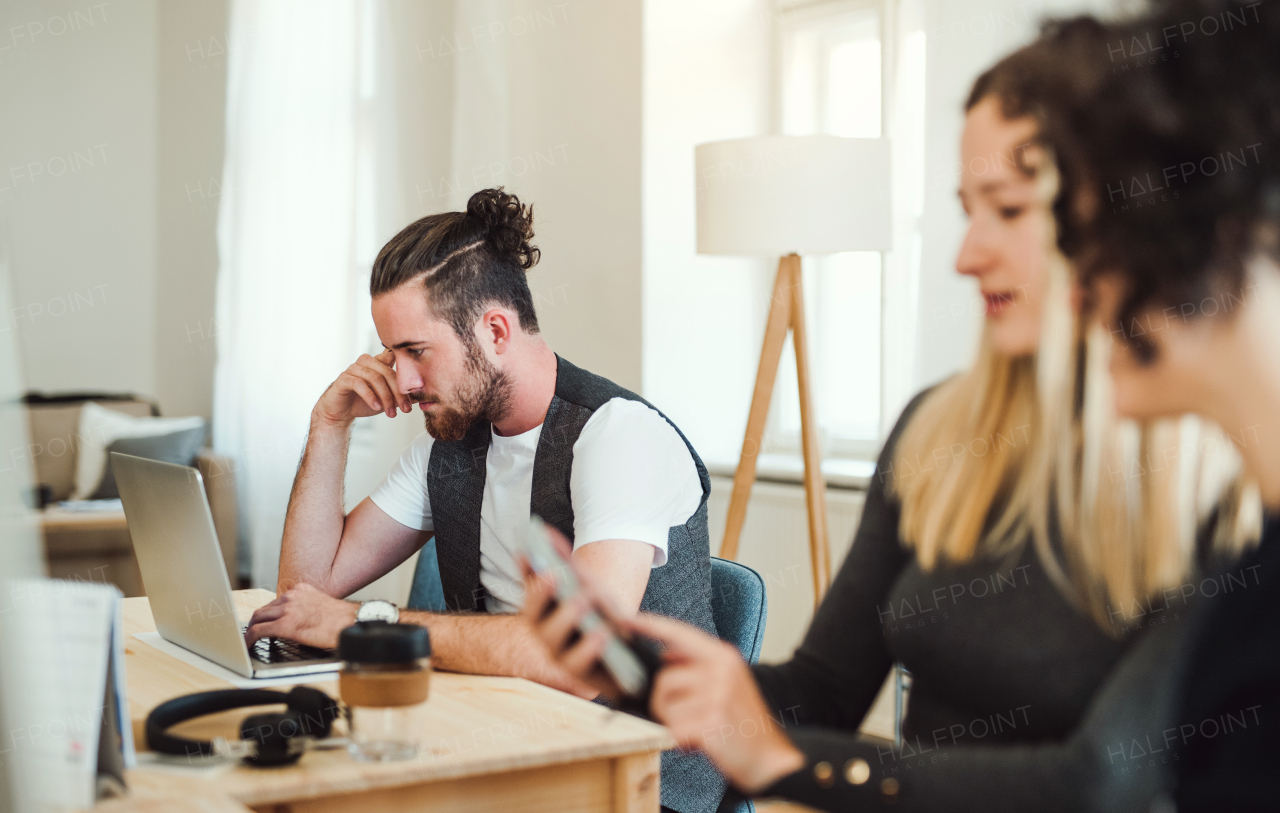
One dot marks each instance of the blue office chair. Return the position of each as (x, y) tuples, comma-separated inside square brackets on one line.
[(427, 592), (739, 607)]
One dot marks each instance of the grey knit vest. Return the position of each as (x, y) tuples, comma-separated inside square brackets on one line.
[(680, 589)]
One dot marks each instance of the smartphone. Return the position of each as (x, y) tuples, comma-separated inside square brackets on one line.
[(631, 661)]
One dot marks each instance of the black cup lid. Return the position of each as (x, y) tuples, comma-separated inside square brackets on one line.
[(380, 642)]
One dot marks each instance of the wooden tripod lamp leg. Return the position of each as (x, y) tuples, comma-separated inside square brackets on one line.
[(785, 312), (815, 485), (775, 336)]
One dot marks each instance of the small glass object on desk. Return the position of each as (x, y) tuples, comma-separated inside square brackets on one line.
[(383, 683)]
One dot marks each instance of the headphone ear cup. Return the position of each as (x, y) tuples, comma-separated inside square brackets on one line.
[(272, 732), (316, 710)]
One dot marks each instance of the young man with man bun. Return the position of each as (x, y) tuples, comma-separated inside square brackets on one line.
[(512, 430)]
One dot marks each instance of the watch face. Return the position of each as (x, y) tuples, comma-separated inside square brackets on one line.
[(378, 611)]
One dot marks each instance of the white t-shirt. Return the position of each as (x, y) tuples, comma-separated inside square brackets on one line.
[(632, 478)]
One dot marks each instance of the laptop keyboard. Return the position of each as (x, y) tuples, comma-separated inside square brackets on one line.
[(282, 650)]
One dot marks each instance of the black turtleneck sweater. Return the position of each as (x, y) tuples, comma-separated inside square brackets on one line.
[(1230, 700)]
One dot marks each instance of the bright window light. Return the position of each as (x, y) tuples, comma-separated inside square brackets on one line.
[(832, 83)]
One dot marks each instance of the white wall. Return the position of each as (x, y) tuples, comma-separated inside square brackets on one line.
[(78, 183), (543, 98), (114, 132), (192, 65), (706, 78), (124, 248)]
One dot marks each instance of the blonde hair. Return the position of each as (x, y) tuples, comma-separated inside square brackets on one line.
[(1015, 445)]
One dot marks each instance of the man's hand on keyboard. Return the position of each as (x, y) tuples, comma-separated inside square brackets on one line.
[(303, 614)]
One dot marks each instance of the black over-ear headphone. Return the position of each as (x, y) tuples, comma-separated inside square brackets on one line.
[(271, 739)]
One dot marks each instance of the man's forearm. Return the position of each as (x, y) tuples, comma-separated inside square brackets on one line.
[(314, 522), (493, 645)]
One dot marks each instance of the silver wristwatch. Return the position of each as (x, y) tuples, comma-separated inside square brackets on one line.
[(378, 610)]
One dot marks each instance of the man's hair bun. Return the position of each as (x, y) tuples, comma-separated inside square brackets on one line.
[(466, 261), (507, 225)]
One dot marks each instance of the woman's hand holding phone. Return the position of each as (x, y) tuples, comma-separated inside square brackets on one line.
[(704, 692), (558, 623)]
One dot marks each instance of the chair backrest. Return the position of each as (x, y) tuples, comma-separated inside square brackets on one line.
[(427, 592), (739, 606)]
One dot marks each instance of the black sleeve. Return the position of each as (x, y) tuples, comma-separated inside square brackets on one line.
[(834, 676), (1120, 758), (1231, 700)]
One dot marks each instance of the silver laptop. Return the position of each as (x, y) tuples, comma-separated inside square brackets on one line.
[(186, 581)]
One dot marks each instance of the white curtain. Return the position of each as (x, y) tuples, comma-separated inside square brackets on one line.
[(304, 206)]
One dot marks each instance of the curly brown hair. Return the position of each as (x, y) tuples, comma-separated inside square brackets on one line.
[(1169, 167), (1038, 77)]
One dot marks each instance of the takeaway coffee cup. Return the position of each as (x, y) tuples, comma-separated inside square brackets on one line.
[(383, 683)]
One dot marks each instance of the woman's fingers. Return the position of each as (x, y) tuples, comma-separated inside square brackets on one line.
[(686, 713), (687, 723), (581, 658), (538, 592), (682, 640), (555, 629), (674, 683)]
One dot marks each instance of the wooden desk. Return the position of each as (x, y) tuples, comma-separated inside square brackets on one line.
[(492, 744)]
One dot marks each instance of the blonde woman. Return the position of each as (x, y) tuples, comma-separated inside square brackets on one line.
[(1015, 541)]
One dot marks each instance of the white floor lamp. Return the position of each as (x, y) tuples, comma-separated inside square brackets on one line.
[(784, 196)]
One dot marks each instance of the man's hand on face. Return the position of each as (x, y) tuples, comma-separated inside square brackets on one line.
[(365, 388), (302, 614)]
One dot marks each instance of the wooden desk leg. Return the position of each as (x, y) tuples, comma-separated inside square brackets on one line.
[(636, 783)]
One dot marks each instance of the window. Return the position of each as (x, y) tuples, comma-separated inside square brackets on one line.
[(830, 82), (859, 306)]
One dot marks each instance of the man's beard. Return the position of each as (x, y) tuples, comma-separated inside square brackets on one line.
[(484, 395)]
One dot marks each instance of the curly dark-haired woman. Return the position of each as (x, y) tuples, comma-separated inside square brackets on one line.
[(1172, 209)]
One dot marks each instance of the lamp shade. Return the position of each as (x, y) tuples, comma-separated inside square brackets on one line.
[(815, 194)]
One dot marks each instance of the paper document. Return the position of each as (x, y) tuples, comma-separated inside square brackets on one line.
[(63, 682)]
